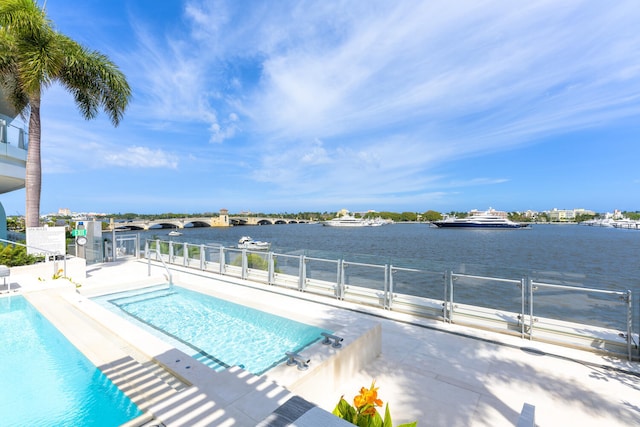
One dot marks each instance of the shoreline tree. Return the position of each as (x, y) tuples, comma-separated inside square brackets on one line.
[(33, 56)]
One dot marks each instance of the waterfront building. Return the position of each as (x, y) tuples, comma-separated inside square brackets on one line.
[(13, 155), (567, 215)]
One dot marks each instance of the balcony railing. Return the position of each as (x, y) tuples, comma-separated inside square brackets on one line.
[(13, 140), (575, 316)]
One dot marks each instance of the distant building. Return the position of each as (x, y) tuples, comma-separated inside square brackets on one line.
[(567, 215), (64, 212), (561, 215)]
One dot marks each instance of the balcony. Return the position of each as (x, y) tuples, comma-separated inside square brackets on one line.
[(13, 154)]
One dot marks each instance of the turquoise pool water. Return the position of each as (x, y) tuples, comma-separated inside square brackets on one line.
[(46, 381), (215, 331)]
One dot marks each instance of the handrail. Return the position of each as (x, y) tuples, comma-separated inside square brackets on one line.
[(601, 291), (158, 255)]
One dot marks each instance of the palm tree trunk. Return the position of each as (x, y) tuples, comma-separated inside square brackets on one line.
[(33, 180)]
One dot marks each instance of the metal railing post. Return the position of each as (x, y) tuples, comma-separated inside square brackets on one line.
[(271, 274), (245, 264), (302, 272), (342, 282), (523, 284), (185, 254), (448, 303), (114, 245), (137, 246), (222, 260), (388, 285), (530, 287), (629, 324), (148, 256)]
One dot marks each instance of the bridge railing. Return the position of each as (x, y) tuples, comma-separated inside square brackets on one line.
[(589, 318)]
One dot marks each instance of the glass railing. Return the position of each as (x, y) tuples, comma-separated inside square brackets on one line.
[(13, 141), (566, 309)]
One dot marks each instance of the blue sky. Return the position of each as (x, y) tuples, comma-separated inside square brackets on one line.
[(289, 106)]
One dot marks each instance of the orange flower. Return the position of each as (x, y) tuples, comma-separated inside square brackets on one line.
[(367, 400)]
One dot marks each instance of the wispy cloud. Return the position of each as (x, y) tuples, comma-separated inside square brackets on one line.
[(68, 148), (142, 157), (393, 88)]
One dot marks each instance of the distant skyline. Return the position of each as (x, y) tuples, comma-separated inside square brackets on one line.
[(300, 106)]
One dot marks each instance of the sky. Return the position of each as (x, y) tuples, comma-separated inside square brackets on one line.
[(310, 106)]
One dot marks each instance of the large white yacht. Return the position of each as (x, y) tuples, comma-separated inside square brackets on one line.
[(347, 221), (487, 219)]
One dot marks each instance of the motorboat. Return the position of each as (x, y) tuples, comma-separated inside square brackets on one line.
[(599, 222), (487, 219), (247, 242), (175, 233)]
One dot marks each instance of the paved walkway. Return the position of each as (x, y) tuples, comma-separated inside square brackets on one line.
[(428, 371)]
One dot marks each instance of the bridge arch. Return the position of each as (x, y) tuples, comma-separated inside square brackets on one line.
[(197, 224)]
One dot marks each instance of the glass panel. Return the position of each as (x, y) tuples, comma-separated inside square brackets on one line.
[(584, 306), (420, 283)]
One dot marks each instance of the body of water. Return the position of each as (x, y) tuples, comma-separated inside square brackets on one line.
[(605, 258)]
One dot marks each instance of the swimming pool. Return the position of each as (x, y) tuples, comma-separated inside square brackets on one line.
[(215, 331), (46, 381)]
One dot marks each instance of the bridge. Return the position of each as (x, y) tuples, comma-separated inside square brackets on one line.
[(216, 221)]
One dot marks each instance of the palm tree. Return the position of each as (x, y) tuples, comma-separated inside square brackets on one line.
[(33, 55)]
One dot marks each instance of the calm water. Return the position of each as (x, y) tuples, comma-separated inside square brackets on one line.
[(46, 381), (221, 333), (603, 257)]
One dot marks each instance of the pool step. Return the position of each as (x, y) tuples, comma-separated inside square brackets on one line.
[(210, 361), (146, 384), (138, 295), (155, 369)]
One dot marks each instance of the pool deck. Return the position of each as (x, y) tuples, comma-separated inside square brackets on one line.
[(435, 373)]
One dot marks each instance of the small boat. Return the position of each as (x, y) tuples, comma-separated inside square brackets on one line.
[(175, 233), (488, 219), (247, 242)]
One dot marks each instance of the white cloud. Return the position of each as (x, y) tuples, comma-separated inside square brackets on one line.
[(71, 144), (141, 157), (345, 68)]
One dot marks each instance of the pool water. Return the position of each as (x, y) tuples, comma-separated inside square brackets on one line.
[(215, 331), (46, 381)]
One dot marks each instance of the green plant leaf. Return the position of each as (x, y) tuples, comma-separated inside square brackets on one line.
[(387, 416), (345, 411)]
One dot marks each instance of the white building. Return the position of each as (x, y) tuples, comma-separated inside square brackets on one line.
[(13, 155)]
